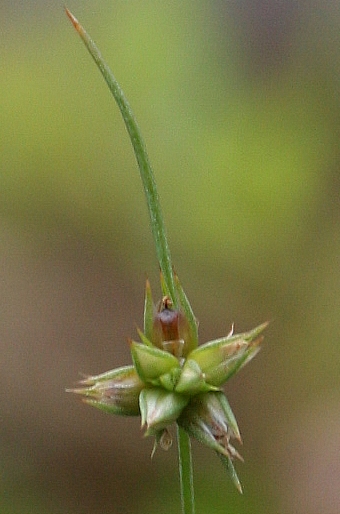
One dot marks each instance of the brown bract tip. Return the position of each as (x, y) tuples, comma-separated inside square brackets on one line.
[(73, 19)]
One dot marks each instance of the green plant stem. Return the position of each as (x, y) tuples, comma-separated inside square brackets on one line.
[(148, 179), (185, 472), (158, 232)]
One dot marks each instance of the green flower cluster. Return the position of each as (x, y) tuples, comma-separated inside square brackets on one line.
[(172, 379)]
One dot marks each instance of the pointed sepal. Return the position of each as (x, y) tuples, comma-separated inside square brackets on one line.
[(190, 331), (160, 408), (151, 362), (149, 310), (116, 391), (229, 466), (209, 419), (191, 380), (222, 358)]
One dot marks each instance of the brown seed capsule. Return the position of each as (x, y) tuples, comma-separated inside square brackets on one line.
[(169, 328), (168, 319)]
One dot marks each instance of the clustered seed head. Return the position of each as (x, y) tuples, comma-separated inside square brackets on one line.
[(172, 379)]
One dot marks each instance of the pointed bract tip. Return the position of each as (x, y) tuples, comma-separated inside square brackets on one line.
[(77, 390), (263, 326), (231, 331), (70, 15), (73, 19), (88, 381), (154, 449)]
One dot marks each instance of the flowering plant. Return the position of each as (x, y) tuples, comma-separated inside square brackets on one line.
[(172, 378)]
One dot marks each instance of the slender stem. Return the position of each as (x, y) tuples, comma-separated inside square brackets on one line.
[(159, 235), (148, 179), (185, 472)]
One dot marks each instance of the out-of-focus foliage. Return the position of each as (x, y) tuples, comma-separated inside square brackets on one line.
[(239, 106)]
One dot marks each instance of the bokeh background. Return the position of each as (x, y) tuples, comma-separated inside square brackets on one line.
[(239, 105)]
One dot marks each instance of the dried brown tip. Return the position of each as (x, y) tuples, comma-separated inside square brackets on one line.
[(74, 20)]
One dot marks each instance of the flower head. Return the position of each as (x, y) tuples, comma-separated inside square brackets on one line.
[(172, 379)]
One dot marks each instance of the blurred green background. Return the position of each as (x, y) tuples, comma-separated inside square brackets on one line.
[(240, 109)]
